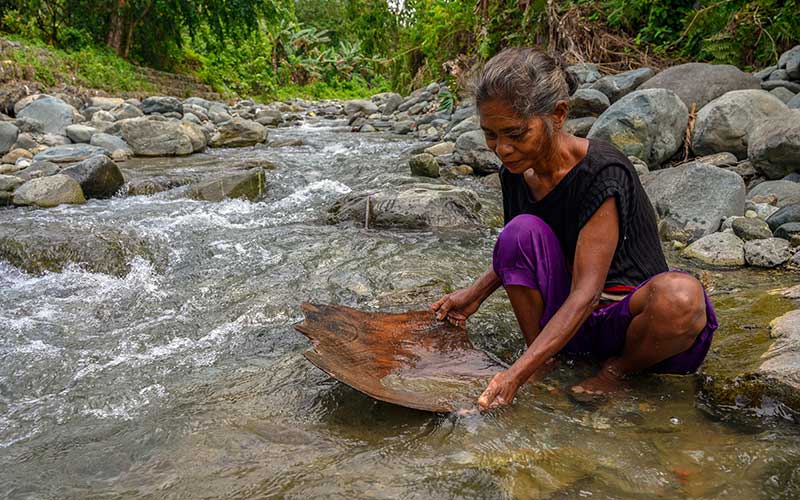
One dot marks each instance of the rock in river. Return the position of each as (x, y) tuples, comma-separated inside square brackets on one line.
[(769, 252), (151, 136), (50, 191), (69, 153), (718, 249), (238, 132), (98, 176), (412, 206), (424, 164), (248, 184), (780, 370)]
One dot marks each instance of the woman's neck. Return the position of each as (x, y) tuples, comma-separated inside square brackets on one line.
[(566, 152)]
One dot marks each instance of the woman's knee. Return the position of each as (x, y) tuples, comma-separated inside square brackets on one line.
[(677, 299)]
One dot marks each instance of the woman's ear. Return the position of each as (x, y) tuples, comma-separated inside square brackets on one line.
[(559, 114)]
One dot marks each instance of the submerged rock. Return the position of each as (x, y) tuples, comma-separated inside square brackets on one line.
[(248, 184), (413, 206), (49, 192)]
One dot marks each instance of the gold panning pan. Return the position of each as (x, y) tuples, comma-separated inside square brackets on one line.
[(409, 359)]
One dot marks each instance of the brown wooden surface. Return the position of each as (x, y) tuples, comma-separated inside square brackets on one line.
[(410, 359)]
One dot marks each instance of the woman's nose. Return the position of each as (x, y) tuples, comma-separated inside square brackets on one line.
[(503, 148)]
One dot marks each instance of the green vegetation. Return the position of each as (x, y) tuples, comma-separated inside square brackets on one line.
[(353, 48)]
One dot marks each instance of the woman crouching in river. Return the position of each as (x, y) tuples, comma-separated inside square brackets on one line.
[(579, 256)]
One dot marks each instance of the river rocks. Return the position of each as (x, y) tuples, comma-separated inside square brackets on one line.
[(37, 169), (151, 137), (54, 114), (788, 213), (268, 117), (585, 73), (471, 150), (441, 149), (390, 103), (98, 176), (587, 102), (69, 153), (700, 83), (789, 231), (717, 249), (248, 184), (774, 145), (9, 182), (780, 369), (105, 103), (682, 198), (769, 252), (723, 124), (647, 124), (413, 206), (162, 105), (783, 94), (579, 127), (80, 133), (748, 228), (794, 102), (49, 192), (125, 111), (238, 132), (783, 192), (424, 164), (790, 61), (619, 85), (114, 146), (8, 136)]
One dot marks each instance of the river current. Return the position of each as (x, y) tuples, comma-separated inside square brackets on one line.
[(183, 377)]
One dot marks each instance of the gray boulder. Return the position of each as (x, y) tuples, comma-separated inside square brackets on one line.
[(717, 249), (269, 117), (80, 133), (49, 191), (779, 372), (412, 206), (199, 101), (617, 86), (700, 83), (248, 184), (579, 127), (162, 105), (682, 198), (723, 125), (771, 85), (471, 150), (69, 153), (238, 132), (783, 192), (424, 164), (794, 102), (587, 102), (363, 107), (8, 136), (125, 111), (98, 176), (9, 182), (37, 169), (585, 73), (770, 252), (774, 145), (152, 137), (790, 61), (105, 103), (391, 103), (54, 114), (196, 135), (115, 146), (466, 125), (648, 124), (751, 228), (788, 213), (783, 94), (789, 231)]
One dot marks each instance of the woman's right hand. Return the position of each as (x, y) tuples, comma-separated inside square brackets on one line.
[(456, 307)]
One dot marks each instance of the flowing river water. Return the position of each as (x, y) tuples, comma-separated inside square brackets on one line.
[(183, 377)]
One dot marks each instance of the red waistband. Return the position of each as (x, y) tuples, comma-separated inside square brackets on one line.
[(619, 289)]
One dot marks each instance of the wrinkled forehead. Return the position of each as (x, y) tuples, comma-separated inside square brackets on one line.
[(498, 114)]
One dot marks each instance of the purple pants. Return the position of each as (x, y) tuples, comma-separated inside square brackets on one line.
[(527, 253)]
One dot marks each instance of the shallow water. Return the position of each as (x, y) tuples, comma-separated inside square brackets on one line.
[(183, 378)]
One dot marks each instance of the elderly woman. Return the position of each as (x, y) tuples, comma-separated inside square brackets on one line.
[(579, 256)]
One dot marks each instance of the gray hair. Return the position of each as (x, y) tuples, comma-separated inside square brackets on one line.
[(530, 81)]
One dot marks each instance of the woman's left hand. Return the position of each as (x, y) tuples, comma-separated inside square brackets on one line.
[(500, 391)]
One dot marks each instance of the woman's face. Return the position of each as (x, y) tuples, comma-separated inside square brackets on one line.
[(519, 143)]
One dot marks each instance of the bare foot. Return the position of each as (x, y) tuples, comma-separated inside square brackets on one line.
[(607, 382)]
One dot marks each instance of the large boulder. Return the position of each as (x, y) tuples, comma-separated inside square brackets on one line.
[(723, 125), (50, 191), (364, 107), (114, 146), (80, 133), (196, 135), (587, 102), (412, 206), (717, 249), (701, 83), (774, 145), (162, 105), (471, 149), (248, 184), (54, 114), (153, 137), (105, 103), (468, 124), (648, 124), (769, 252), (238, 132), (125, 111), (8, 136), (9, 182), (69, 153), (780, 369), (685, 202), (790, 61), (781, 193), (98, 176), (622, 84)]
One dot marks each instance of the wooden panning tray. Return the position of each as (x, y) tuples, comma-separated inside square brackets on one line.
[(409, 359)]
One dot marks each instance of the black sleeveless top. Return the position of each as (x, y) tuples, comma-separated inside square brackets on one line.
[(602, 173)]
